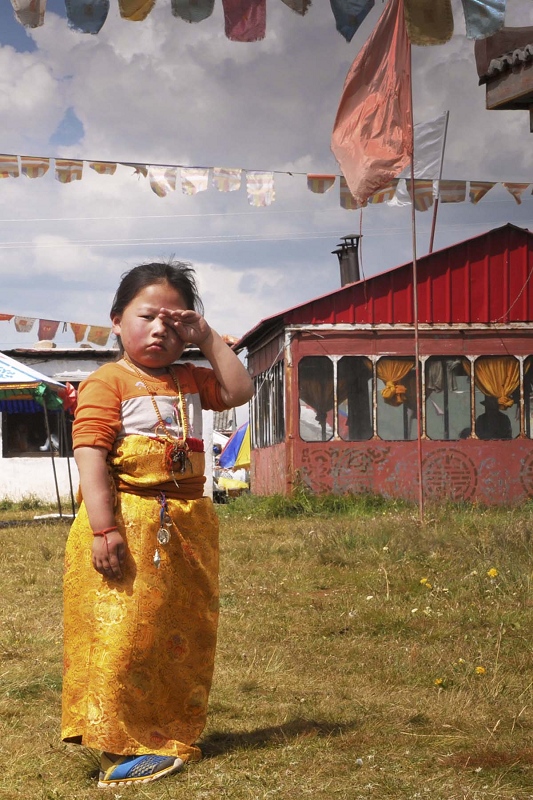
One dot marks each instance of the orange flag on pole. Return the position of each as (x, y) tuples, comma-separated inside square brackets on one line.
[(373, 132)]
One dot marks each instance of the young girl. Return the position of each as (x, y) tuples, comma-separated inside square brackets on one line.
[(141, 564)]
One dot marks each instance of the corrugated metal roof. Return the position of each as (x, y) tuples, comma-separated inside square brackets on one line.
[(483, 280)]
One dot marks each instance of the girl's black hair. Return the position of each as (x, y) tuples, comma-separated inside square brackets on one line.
[(178, 274)]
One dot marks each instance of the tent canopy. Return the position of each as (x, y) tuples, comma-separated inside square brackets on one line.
[(24, 389)]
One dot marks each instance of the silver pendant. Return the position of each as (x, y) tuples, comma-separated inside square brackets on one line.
[(157, 558), (163, 536)]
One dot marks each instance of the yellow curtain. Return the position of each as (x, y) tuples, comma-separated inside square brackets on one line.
[(497, 377), (391, 371), (318, 394)]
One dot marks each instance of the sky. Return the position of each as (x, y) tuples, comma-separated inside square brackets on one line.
[(165, 91)]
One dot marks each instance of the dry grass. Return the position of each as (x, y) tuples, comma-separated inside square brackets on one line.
[(361, 655)]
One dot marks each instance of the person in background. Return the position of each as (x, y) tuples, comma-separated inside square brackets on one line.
[(493, 423)]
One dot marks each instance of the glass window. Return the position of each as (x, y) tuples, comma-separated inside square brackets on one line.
[(268, 407), (354, 397), (447, 398), (315, 388), (278, 403), (497, 413), (396, 399)]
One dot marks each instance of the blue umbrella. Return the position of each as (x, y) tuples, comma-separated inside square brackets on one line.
[(236, 452)]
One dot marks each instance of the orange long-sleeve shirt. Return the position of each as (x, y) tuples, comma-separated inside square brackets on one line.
[(113, 403)]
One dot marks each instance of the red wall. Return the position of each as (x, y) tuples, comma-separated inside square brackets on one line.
[(490, 473), (268, 470)]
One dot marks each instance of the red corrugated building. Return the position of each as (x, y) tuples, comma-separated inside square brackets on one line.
[(336, 408)]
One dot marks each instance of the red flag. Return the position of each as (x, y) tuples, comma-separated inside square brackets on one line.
[(47, 329), (373, 133), (245, 20)]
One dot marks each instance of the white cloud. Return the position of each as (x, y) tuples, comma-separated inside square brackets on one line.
[(30, 104), (164, 91)]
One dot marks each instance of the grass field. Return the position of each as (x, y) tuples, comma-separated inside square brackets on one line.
[(361, 655)]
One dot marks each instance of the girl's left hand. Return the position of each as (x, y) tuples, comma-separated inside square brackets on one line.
[(188, 325)]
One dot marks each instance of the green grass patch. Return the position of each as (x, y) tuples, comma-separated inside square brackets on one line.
[(362, 655), (303, 503)]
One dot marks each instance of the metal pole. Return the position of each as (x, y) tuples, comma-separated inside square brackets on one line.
[(436, 203), (415, 319), (48, 433), (65, 441)]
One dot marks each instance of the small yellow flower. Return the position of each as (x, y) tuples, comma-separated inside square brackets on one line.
[(492, 573), (439, 681), (425, 582), (480, 670)]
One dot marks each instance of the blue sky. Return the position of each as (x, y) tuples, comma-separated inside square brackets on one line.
[(164, 91)]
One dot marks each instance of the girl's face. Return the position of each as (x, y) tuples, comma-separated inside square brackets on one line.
[(147, 341)]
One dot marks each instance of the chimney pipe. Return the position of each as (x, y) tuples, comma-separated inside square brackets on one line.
[(348, 254)]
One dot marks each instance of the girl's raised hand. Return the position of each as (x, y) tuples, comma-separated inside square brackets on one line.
[(188, 325)]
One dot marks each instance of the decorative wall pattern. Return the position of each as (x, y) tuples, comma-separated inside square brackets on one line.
[(500, 473)]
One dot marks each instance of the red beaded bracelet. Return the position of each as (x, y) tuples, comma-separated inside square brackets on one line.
[(105, 531)]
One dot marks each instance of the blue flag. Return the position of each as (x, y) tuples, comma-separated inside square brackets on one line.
[(483, 17), (86, 16), (349, 15), (192, 10)]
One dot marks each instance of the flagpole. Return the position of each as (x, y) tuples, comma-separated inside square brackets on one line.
[(415, 315), (436, 203)]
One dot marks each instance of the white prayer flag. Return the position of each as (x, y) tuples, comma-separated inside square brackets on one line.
[(194, 180), (429, 142), (162, 180), (29, 13), (226, 179), (260, 188)]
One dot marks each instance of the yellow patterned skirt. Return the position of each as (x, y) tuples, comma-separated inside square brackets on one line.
[(139, 652)]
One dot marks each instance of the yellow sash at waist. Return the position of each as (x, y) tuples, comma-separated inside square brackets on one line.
[(140, 465)]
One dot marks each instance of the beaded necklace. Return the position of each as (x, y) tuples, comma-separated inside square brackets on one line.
[(176, 451), (162, 429)]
